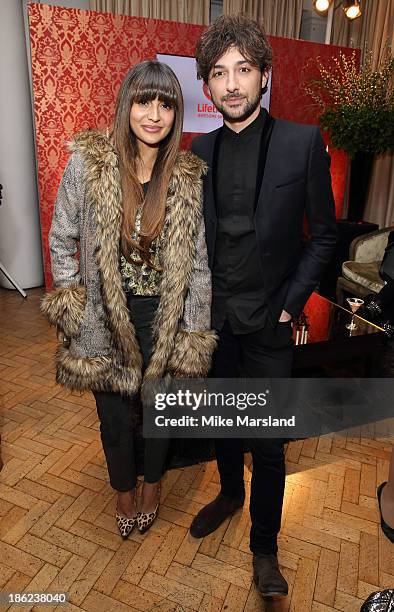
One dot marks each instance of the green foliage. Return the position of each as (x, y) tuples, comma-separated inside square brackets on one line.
[(357, 105)]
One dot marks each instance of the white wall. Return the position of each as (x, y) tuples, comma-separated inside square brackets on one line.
[(20, 240), (20, 236)]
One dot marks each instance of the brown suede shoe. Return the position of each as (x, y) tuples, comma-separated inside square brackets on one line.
[(267, 576), (212, 515)]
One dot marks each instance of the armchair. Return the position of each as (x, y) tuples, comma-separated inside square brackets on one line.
[(360, 275)]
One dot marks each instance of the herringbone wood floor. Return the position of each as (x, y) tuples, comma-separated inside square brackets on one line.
[(58, 531)]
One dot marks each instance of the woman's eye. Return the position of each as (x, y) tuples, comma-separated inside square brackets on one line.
[(143, 103), (217, 74), (166, 106)]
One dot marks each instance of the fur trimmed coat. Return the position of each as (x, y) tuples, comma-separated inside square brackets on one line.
[(88, 303)]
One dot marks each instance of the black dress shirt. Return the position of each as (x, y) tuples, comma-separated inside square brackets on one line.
[(237, 285)]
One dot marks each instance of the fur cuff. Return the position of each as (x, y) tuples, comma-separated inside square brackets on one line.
[(192, 354), (94, 373), (64, 308)]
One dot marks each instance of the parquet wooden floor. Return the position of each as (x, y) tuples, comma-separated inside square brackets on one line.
[(58, 531)]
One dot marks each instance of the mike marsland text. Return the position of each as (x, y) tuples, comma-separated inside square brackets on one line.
[(219, 421)]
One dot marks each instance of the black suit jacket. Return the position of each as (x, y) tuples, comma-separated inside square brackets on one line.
[(296, 181)]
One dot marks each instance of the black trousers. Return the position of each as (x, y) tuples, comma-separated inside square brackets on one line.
[(120, 435), (265, 353)]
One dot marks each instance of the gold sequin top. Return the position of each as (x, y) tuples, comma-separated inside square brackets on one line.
[(141, 279)]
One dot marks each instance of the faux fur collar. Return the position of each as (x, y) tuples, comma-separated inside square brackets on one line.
[(98, 147), (184, 204)]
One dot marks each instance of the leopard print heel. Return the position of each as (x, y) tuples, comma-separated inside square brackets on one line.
[(145, 520), (125, 524)]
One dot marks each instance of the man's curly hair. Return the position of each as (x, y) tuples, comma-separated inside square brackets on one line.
[(247, 35)]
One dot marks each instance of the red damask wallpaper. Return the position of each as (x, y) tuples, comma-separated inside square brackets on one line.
[(80, 57), (317, 311)]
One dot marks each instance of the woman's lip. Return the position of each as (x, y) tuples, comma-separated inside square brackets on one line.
[(151, 128)]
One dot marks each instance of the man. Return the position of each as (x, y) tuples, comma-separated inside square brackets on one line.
[(264, 175)]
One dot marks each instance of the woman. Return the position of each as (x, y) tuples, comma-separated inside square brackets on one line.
[(135, 306)]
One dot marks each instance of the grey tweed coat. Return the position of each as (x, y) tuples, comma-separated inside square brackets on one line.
[(88, 303)]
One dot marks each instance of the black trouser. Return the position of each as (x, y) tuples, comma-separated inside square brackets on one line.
[(265, 353), (117, 414)]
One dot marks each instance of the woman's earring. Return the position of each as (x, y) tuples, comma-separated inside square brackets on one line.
[(107, 132)]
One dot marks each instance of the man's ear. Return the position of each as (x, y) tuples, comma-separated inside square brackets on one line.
[(264, 79)]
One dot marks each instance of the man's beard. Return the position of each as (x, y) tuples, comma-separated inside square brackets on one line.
[(233, 114)]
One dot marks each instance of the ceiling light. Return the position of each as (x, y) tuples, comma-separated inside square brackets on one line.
[(321, 6), (352, 8)]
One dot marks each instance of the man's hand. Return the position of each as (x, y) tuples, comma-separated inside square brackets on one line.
[(284, 317)]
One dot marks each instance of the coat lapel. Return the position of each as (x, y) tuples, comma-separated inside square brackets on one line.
[(209, 182), (102, 178), (185, 215), (267, 162)]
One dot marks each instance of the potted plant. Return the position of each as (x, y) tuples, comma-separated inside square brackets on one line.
[(357, 111)]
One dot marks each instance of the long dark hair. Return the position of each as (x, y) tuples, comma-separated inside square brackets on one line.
[(146, 81)]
